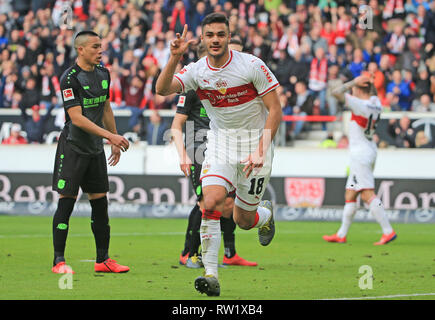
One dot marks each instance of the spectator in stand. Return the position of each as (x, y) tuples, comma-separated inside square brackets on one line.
[(421, 141), (35, 124), (401, 89), (410, 59), (329, 142), (402, 132), (302, 105), (371, 53), (31, 95), (318, 77), (396, 42), (133, 94), (422, 84), (15, 136), (343, 142), (179, 17), (429, 24), (156, 129), (357, 65), (50, 87), (198, 15), (424, 104), (334, 81), (391, 102), (378, 79)]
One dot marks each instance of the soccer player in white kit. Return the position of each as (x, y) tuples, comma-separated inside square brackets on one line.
[(238, 92), (366, 109)]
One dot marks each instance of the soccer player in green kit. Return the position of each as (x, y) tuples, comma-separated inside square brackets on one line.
[(80, 160)]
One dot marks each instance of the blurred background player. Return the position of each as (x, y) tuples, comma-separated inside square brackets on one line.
[(237, 90), (189, 108), (366, 109), (80, 159)]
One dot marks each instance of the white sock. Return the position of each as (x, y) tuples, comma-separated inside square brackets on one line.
[(263, 214), (210, 233), (349, 211), (378, 212)]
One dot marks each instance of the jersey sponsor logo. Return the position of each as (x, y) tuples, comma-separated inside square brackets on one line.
[(233, 96), (68, 94), (268, 76), (181, 101), (93, 102), (182, 71), (304, 192)]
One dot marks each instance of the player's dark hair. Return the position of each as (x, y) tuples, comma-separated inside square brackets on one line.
[(86, 33), (78, 39), (215, 17), (366, 89)]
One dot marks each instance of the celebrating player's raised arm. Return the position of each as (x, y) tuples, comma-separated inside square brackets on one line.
[(358, 81), (166, 84)]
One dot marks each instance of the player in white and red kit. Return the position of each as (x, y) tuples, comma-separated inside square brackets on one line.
[(366, 109), (238, 93)]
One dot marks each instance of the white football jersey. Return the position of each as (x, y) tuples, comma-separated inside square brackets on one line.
[(365, 115), (231, 96)]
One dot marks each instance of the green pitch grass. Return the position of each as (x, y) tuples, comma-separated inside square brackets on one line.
[(298, 264)]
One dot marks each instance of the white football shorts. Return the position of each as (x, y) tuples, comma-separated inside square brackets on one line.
[(360, 177)]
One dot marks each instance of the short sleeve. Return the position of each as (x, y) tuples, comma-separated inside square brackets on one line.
[(186, 102), (262, 78), (353, 103), (186, 77), (70, 92)]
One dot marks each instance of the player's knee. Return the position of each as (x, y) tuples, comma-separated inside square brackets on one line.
[(211, 203), (367, 196), (242, 223)]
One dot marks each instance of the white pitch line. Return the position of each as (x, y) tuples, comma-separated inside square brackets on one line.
[(386, 297)]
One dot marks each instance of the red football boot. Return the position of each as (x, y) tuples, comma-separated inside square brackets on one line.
[(61, 267), (236, 260), (334, 238), (386, 238), (110, 265), (183, 259)]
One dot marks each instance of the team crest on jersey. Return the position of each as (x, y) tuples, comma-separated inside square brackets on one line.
[(68, 94), (221, 86)]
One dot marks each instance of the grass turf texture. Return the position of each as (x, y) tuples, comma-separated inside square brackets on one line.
[(298, 264)]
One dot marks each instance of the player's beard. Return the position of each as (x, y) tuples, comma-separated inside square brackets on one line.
[(221, 54)]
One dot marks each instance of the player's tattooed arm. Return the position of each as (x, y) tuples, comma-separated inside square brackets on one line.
[(360, 81), (340, 90)]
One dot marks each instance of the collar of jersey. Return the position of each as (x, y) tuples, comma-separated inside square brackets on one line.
[(226, 63)]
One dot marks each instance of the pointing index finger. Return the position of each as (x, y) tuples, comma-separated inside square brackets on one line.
[(184, 32)]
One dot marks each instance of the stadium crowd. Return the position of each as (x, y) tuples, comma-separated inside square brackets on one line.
[(311, 46)]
